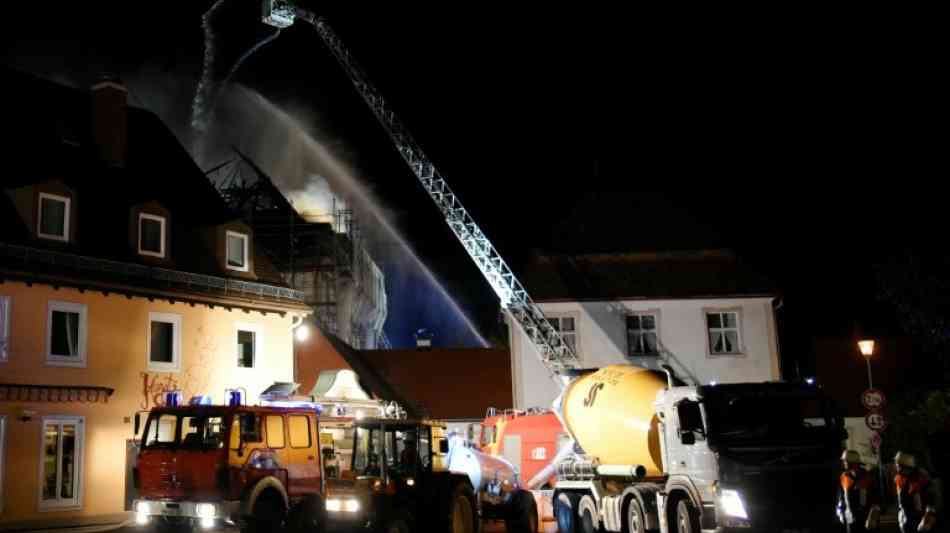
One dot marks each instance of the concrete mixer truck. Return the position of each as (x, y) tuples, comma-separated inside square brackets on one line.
[(655, 455)]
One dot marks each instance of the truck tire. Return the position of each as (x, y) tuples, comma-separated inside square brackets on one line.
[(687, 519), (565, 512), (586, 520), (522, 513), (307, 516), (461, 514), (634, 519), (267, 516)]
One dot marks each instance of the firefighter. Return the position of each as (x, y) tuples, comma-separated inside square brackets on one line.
[(858, 507), (916, 511)]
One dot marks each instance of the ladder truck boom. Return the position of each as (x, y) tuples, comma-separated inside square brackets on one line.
[(556, 355)]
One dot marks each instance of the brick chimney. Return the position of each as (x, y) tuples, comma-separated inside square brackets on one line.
[(109, 125)]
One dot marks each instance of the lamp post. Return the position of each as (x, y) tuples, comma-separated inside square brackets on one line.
[(866, 346)]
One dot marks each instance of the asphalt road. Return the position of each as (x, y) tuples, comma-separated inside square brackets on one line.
[(550, 527)]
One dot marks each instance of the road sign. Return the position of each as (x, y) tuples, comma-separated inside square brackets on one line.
[(875, 440), (873, 400), (876, 422)]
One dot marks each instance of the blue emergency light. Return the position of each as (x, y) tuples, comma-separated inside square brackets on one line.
[(201, 399), (173, 398), (235, 398)]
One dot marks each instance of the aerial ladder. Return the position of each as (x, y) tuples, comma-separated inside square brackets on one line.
[(556, 355)]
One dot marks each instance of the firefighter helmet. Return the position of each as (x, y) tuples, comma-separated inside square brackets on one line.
[(905, 459), (851, 457)]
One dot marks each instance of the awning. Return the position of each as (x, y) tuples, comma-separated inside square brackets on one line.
[(11, 392)]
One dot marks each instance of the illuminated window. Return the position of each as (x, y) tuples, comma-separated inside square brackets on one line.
[(151, 235), (299, 431), (642, 334), (724, 336), (275, 431), (237, 251), (53, 220), (66, 334), (61, 462), (567, 325), (4, 328), (164, 342)]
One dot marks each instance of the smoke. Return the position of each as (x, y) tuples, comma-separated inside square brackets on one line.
[(316, 202)]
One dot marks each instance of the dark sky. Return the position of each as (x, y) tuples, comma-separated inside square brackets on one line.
[(807, 141)]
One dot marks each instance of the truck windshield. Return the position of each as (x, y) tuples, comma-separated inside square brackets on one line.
[(764, 419), (367, 448), (181, 430)]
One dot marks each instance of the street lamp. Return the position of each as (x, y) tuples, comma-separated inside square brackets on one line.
[(866, 346)]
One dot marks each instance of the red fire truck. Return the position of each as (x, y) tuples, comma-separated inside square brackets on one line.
[(257, 467)]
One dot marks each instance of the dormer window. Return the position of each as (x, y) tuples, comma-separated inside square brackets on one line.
[(151, 235), (237, 251), (53, 220)]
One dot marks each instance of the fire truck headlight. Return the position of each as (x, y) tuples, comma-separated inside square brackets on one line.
[(207, 523), (732, 504), (141, 519), (205, 511), (351, 506), (334, 505)]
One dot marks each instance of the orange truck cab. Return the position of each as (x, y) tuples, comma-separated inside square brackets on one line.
[(205, 465), (529, 440)]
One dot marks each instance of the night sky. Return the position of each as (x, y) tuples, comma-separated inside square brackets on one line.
[(805, 141)]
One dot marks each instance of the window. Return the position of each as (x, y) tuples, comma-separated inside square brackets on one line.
[(151, 235), (245, 427), (275, 431), (4, 328), (164, 342), (568, 328), (53, 217), (202, 432), (61, 462), (723, 329), (237, 251), (248, 341), (642, 334), (66, 334), (160, 431), (299, 431)]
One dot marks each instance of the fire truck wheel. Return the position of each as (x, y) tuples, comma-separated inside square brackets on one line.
[(687, 519), (523, 513), (565, 511), (306, 516), (461, 512), (268, 515)]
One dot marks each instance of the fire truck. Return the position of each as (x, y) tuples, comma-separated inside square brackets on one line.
[(257, 467)]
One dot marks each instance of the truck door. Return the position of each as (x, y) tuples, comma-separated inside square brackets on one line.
[(274, 432), (303, 467), (512, 451)]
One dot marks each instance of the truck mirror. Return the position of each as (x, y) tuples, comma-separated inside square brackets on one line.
[(444, 446), (138, 423)]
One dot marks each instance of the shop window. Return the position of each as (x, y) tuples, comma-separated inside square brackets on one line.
[(4, 327), (164, 342), (237, 251), (151, 235), (66, 334), (275, 431), (53, 220), (299, 431), (61, 468)]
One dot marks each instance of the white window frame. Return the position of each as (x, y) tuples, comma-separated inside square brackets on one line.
[(738, 329), (76, 502), (39, 217), (66, 307), (655, 313), (577, 328), (3, 455), (175, 321), (247, 260), (258, 343), (6, 303), (160, 220)]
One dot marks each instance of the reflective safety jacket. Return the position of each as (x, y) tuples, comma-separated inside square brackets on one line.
[(914, 498), (856, 495)]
